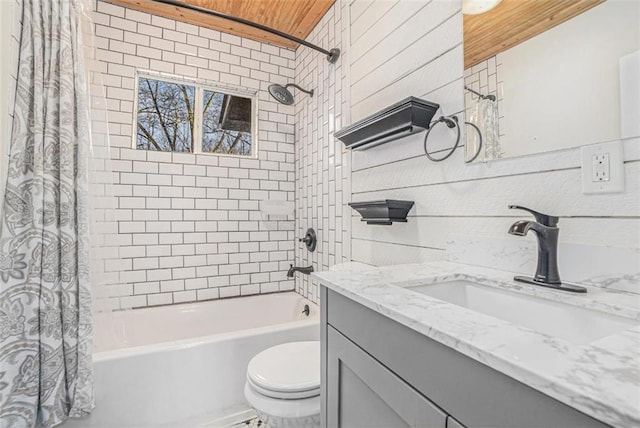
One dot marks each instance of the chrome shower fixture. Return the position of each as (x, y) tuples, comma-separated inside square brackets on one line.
[(283, 95)]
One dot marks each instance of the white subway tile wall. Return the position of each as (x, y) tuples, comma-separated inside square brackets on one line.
[(323, 165), (190, 226)]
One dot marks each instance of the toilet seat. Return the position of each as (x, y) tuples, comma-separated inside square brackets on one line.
[(284, 395), (289, 371)]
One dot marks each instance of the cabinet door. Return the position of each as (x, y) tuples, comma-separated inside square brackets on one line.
[(361, 392), (452, 423)]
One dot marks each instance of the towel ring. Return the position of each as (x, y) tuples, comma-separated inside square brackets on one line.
[(479, 143), (451, 122)]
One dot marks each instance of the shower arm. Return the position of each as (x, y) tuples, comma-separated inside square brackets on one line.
[(299, 88), (484, 97), (332, 55)]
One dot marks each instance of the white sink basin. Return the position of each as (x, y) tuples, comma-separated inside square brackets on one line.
[(575, 324)]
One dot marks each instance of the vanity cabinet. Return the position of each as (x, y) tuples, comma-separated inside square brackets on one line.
[(378, 373)]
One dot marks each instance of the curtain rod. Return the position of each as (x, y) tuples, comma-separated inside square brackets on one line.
[(332, 55)]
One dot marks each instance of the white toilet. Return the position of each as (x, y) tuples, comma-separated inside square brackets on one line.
[(283, 385)]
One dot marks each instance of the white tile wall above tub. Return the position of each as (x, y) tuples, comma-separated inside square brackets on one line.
[(190, 225), (323, 164)]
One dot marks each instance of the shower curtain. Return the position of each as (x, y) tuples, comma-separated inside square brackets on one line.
[(45, 305)]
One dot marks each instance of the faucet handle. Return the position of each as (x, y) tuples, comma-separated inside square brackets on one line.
[(544, 219), (309, 239)]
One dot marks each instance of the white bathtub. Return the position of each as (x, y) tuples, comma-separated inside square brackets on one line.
[(184, 365)]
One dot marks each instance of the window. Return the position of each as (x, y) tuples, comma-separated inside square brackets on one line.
[(174, 116), (226, 123)]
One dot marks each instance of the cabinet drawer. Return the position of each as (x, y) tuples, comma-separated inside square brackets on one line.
[(364, 393)]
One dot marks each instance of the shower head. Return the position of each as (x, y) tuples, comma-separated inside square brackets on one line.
[(283, 95)]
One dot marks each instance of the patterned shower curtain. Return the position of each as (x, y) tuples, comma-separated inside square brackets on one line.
[(45, 307)]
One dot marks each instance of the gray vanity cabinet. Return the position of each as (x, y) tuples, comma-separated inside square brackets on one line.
[(378, 373)]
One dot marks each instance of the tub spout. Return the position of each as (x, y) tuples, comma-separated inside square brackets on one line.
[(305, 270)]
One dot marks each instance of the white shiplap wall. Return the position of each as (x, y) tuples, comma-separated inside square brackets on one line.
[(415, 48), (323, 169)]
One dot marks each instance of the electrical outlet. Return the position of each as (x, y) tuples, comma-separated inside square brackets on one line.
[(602, 168)]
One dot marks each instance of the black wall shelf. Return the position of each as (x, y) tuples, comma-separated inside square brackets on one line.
[(403, 118), (383, 212)]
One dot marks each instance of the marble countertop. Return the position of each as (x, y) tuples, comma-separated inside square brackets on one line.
[(601, 378)]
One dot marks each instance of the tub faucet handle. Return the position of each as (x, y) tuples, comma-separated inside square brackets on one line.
[(309, 239)]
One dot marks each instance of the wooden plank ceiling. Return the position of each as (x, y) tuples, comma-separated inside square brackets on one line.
[(295, 17), (514, 21)]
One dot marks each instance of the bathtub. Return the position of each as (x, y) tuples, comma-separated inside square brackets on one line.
[(184, 365)]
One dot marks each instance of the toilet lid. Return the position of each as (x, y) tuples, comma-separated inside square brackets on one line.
[(290, 370)]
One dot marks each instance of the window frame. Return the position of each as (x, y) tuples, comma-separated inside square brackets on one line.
[(200, 86)]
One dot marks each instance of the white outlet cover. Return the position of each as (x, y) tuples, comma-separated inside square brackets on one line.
[(615, 184)]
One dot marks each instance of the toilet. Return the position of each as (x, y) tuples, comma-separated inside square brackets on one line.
[(283, 385)]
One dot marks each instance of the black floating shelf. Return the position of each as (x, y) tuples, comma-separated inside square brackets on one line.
[(404, 118), (383, 212)]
